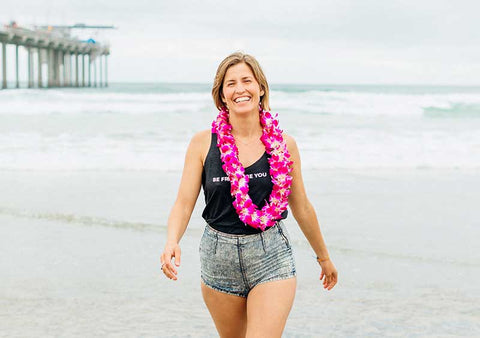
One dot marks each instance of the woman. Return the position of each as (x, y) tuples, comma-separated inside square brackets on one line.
[(249, 171)]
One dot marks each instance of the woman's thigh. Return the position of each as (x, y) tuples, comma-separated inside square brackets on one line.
[(274, 298), (229, 312)]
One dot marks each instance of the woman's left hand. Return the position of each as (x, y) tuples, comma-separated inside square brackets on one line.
[(329, 274)]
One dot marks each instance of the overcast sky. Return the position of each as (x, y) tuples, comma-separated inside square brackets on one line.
[(301, 41)]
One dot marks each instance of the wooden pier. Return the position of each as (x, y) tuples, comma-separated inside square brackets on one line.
[(65, 61)]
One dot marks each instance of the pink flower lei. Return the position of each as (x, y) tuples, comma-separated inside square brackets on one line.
[(280, 168)]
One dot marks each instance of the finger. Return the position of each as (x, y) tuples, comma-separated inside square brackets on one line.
[(169, 271), (170, 267), (332, 283), (327, 281), (162, 261), (322, 274), (177, 254), (169, 275)]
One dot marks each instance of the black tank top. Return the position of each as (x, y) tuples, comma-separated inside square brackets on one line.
[(219, 212)]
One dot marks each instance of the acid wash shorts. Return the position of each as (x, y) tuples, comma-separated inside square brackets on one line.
[(234, 264)]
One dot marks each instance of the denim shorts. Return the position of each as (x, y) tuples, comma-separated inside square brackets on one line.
[(234, 264)]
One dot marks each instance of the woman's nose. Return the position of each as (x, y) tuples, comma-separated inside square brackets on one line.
[(239, 88)]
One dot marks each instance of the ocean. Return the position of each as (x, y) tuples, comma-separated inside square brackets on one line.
[(88, 177), (137, 126)]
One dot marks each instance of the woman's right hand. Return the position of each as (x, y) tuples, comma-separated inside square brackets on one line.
[(172, 250)]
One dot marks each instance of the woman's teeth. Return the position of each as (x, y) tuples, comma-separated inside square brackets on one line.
[(241, 99)]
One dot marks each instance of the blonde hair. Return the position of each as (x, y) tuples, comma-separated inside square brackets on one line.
[(232, 60)]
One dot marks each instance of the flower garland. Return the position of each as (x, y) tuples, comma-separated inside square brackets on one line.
[(280, 168)]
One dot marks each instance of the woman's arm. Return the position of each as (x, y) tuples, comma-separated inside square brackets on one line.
[(306, 217), (186, 198)]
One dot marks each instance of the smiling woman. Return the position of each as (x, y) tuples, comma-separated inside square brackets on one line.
[(250, 172)]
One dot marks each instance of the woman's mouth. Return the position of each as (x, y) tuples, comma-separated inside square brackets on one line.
[(242, 99)]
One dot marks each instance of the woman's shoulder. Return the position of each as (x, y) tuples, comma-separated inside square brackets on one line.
[(290, 141), (201, 143), (202, 136)]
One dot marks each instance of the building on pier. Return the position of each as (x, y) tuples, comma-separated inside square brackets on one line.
[(61, 60)]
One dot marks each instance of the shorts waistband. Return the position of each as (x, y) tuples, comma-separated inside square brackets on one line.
[(233, 238)]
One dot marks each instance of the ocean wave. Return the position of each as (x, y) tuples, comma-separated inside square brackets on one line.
[(454, 110), (367, 104), (57, 101)]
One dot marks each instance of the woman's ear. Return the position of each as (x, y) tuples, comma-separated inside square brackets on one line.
[(262, 92)]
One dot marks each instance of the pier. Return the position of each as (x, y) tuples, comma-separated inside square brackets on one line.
[(54, 58)]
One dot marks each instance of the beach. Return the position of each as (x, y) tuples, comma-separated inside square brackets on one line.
[(72, 267), (87, 180)]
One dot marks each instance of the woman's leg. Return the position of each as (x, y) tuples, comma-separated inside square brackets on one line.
[(229, 312), (268, 306)]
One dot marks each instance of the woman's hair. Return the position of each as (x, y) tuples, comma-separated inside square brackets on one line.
[(232, 60)]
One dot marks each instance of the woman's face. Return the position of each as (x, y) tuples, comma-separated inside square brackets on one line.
[(241, 91)]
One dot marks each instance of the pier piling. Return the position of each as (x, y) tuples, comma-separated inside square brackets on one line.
[(50, 67), (89, 70), (39, 65), (4, 65), (106, 71), (95, 72), (101, 71), (76, 69), (83, 70), (17, 79), (68, 69), (30, 67)]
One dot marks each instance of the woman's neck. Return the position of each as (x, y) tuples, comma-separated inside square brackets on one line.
[(245, 126)]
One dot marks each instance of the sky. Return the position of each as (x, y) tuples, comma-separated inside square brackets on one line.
[(301, 41)]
